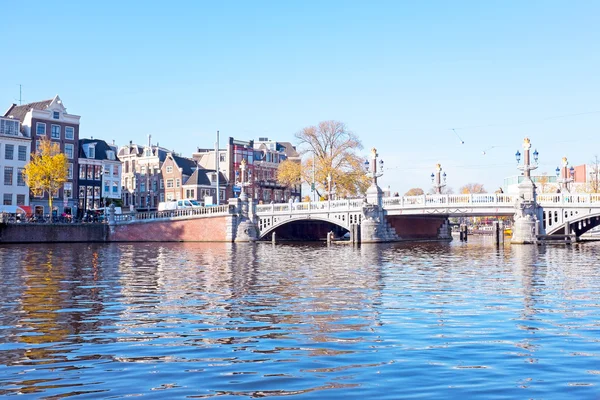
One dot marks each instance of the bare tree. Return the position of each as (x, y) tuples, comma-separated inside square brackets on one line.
[(333, 147), (594, 175), (415, 192), (472, 188)]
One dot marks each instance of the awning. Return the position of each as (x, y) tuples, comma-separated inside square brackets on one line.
[(26, 209)]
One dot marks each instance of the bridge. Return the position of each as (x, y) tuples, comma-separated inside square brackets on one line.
[(375, 218)]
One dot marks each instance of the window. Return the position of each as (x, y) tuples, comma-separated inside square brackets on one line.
[(169, 196), (169, 169), (162, 184), (81, 171), (22, 153), (20, 199), (169, 183), (20, 177), (106, 188), (7, 199), (38, 144), (92, 152), (115, 187), (107, 170), (126, 167), (154, 186), (222, 157), (115, 170), (9, 127), (110, 155), (69, 133), (97, 172), (178, 182), (162, 197), (55, 132), (70, 171), (142, 186), (9, 150), (40, 129), (56, 115), (90, 172), (8, 175), (69, 151), (68, 190), (143, 170)]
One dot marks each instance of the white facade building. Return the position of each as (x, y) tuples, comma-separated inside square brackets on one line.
[(14, 155)]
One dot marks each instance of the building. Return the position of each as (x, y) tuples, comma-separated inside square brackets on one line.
[(99, 175), (176, 171), (141, 178), (49, 119), (202, 184), (15, 150), (268, 154), (262, 161)]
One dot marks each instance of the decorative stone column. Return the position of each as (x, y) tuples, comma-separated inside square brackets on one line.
[(526, 222), (374, 228), (246, 229)]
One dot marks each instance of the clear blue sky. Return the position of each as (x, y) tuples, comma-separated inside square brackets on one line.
[(400, 74)]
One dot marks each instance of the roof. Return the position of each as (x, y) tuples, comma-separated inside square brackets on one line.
[(19, 112), (187, 165), (101, 148), (200, 177), (289, 149), (138, 150)]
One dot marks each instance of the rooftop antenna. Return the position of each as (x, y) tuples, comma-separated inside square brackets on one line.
[(20, 95)]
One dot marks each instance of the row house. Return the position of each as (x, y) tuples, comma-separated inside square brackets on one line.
[(15, 149), (99, 175), (141, 177), (49, 119), (184, 179), (262, 162), (268, 154)]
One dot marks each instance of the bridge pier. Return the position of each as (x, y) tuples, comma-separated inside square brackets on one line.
[(245, 229)]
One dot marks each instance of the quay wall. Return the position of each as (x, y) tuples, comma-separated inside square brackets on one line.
[(212, 229), (415, 227), (52, 233)]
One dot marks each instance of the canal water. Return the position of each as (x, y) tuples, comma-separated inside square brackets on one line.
[(421, 320)]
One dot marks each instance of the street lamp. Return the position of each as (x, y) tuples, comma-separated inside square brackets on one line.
[(436, 179), (371, 167), (565, 175), (242, 182), (527, 167)]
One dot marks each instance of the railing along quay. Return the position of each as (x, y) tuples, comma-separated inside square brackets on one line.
[(169, 214)]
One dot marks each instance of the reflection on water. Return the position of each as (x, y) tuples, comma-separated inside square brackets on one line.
[(378, 321)]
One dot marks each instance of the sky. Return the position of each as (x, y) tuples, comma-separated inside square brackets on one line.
[(414, 79)]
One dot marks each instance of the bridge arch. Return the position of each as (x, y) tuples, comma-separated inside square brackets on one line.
[(579, 223), (321, 225)]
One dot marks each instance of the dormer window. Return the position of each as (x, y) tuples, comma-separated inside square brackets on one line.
[(92, 152), (110, 154), (56, 115)]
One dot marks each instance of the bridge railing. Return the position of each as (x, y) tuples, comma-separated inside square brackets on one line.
[(185, 212), (568, 198), (449, 200), (307, 207)]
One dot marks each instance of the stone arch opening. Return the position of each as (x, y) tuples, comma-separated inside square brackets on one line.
[(305, 230)]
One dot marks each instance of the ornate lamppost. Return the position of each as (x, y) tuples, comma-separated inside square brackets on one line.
[(242, 182), (564, 175), (526, 222), (374, 192), (436, 179)]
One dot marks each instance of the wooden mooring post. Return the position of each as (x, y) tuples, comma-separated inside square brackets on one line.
[(463, 232)]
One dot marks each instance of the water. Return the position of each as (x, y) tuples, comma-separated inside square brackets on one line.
[(426, 320)]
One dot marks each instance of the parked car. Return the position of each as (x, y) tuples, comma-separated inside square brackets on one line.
[(178, 204)]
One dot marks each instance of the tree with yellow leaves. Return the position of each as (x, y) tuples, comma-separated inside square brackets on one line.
[(331, 147), (472, 188), (47, 171)]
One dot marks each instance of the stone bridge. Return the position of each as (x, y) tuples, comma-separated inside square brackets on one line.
[(398, 218)]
